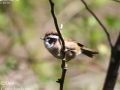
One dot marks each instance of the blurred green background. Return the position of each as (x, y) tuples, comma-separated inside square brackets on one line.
[(24, 59)]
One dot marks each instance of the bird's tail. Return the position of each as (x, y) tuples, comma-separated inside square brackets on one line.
[(89, 52)]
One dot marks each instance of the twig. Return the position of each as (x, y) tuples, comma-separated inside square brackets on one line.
[(105, 30), (63, 65), (116, 1), (114, 64)]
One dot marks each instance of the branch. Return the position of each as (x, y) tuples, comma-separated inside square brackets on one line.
[(114, 64), (116, 1), (63, 65), (105, 30), (113, 69)]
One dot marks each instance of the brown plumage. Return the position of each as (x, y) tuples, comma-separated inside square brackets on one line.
[(88, 52), (73, 47), (51, 33)]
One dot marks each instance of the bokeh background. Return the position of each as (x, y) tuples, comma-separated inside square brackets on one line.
[(26, 63)]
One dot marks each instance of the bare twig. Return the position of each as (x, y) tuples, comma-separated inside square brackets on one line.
[(114, 64), (105, 30), (65, 15), (116, 1), (64, 65)]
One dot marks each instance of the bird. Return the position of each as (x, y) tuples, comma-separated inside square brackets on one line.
[(53, 44)]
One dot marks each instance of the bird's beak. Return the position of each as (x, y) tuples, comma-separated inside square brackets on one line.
[(42, 38)]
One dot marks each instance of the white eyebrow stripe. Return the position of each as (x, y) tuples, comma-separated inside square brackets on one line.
[(53, 36)]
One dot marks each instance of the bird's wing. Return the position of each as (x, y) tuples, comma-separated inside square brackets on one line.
[(72, 40), (79, 44)]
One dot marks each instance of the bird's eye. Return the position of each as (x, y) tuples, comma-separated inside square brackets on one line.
[(51, 40)]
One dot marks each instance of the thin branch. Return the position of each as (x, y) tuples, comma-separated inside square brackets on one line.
[(63, 65), (114, 64), (105, 30), (56, 24), (116, 1)]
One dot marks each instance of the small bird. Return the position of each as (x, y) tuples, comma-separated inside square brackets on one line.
[(73, 48)]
